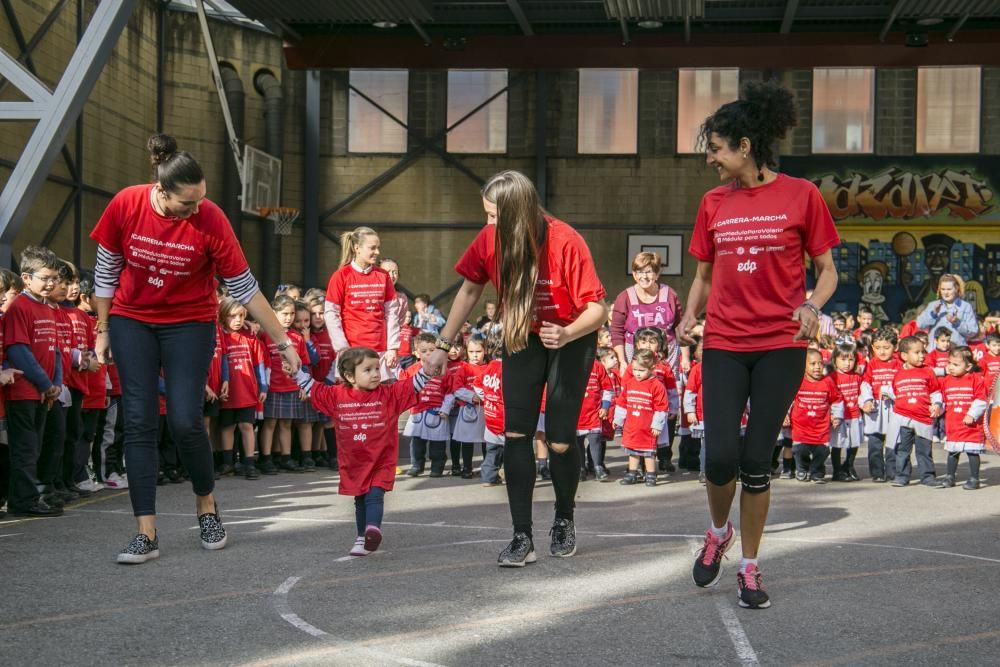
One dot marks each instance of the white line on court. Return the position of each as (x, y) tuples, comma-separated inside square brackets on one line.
[(11, 534), (741, 643)]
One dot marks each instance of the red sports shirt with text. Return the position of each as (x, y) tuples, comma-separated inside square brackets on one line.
[(811, 410), (959, 393), (913, 388), (641, 399), (361, 297), (32, 323)]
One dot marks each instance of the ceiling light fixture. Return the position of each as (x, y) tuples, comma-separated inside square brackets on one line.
[(930, 20), (385, 25), (650, 24)]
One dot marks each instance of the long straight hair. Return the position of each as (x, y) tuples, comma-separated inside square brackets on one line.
[(350, 239), (520, 229)]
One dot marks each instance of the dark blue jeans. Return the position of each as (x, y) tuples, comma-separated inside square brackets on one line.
[(908, 440), (368, 509), (184, 351)]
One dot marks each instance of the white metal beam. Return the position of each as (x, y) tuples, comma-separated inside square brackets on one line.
[(67, 101), (213, 62), (22, 79), (22, 110)]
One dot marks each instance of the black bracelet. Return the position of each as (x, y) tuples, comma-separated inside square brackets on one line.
[(810, 306)]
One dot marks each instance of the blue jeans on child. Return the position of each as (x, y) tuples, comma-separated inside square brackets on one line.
[(881, 459), (490, 468), (368, 509)]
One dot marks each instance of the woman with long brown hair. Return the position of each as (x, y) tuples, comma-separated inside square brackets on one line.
[(551, 305)]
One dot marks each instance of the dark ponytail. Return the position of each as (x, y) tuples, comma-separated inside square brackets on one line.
[(172, 168), (763, 114)]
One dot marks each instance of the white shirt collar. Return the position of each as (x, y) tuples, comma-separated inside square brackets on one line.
[(357, 268)]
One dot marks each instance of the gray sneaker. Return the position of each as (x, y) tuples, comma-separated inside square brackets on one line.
[(563, 534), (518, 553)]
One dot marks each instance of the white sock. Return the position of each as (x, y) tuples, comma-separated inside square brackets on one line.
[(720, 533), (747, 562)]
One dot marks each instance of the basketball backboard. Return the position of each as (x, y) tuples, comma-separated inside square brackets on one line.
[(261, 180)]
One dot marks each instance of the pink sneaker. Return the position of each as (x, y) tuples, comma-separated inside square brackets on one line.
[(708, 562), (373, 538), (751, 594)]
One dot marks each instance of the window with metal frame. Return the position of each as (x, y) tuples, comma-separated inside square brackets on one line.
[(485, 131), (948, 109), (843, 110), (608, 112), (700, 92), (369, 130)]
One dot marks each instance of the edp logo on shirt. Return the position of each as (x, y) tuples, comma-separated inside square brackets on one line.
[(747, 267), (156, 282)]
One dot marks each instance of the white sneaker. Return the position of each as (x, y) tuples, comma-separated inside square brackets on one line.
[(90, 485), (359, 548), (116, 481)]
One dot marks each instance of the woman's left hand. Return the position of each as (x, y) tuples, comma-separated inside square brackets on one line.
[(390, 359), (291, 360), (553, 336), (808, 323)]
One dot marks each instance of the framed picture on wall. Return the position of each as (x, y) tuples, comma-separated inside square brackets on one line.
[(668, 246)]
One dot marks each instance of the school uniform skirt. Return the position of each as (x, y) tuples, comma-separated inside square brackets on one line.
[(848, 435), (427, 425), (284, 405), (469, 424)]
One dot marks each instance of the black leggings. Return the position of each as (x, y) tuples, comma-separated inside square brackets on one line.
[(563, 375), (770, 380)]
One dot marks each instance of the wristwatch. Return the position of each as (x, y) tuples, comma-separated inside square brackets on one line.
[(284, 345), (443, 344)]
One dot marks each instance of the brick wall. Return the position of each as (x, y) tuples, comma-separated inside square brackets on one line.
[(895, 111)]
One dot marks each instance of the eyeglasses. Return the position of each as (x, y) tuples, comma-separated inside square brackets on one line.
[(647, 272), (50, 280)]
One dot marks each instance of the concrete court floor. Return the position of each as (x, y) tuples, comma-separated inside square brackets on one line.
[(859, 574)]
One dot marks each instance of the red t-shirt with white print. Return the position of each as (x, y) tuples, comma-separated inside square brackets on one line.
[(598, 382), (641, 399), (32, 323), (83, 340), (491, 384), (849, 385), (755, 239), (958, 394), (567, 279), (810, 413), (170, 264), (244, 353), (280, 382), (913, 388), (361, 297)]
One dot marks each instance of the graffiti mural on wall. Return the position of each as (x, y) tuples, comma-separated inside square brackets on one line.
[(905, 221)]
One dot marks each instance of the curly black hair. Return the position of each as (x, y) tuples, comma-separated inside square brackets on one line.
[(763, 114)]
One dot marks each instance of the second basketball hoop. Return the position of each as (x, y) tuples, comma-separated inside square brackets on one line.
[(283, 218)]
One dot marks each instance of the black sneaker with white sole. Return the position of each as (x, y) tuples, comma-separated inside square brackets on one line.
[(708, 562), (518, 553), (751, 593), (213, 535), (563, 534), (139, 550)]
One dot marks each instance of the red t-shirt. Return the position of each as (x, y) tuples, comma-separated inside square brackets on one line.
[(367, 424), (324, 348), (694, 386), (991, 367), (215, 367), (64, 334), (913, 388), (937, 359), (32, 323), (83, 340), (810, 413), (641, 399), (849, 386), (958, 394), (170, 264), (431, 397), (245, 354), (567, 279), (471, 373), (406, 334), (755, 239), (879, 374), (979, 350), (598, 382), (280, 382), (362, 298), (491, 384)]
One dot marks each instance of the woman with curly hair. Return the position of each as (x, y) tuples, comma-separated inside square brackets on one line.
[(749, 239)]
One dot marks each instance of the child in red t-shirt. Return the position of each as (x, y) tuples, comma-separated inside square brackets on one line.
[(468, 425), (427, 425), (31, 346), (651, 338), (247, 363), (456, 362), (964, 394), (284, 404), (609, 359), (312, 422), (641, 412), (597, 399), (489, 387), (324, 444), (937, 359), (917, 400), (816, 408), (365, 413), (845, 440), (990, 362), (876, 402)]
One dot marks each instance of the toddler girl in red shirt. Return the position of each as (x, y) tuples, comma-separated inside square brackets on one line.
[(876, 405), (641, 411), (365, 413), (964, 395), (845, 440)]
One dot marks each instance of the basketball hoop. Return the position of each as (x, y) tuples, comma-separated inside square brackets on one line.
[(282, 217)]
